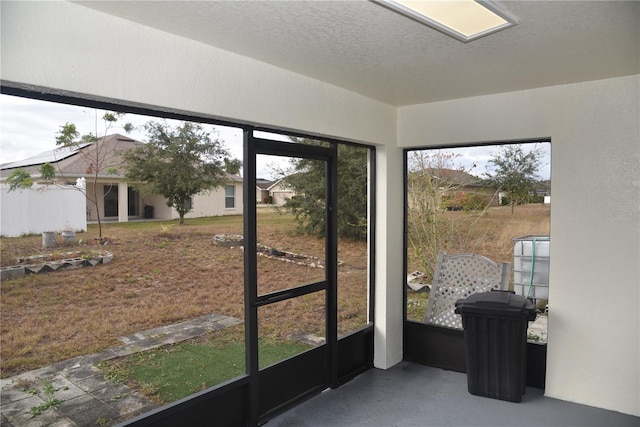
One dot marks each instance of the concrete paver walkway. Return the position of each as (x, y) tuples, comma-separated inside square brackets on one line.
[(88, 399)]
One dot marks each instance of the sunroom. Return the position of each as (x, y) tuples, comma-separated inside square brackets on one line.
[(358, 72)]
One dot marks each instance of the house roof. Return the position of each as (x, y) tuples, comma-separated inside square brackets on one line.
[(453, 177), (51, 156), (264, 184), (77, 161), (374, 51), (281, 182), (234, 178)]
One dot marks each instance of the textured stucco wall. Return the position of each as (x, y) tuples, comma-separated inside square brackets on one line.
[(593, 350), (99, 55)]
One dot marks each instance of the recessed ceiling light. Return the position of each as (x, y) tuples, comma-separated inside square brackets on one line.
[(466, 20)]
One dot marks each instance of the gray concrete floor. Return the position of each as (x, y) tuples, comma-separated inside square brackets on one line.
[(410, 395), (406, 395)]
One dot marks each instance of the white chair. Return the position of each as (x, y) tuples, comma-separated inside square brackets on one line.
[(458, 276)]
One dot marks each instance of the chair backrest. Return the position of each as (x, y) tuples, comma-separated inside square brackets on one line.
[(458, 276)]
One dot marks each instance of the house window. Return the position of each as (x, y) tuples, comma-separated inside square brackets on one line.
[(229, 197), (110, 200), (188, 204)]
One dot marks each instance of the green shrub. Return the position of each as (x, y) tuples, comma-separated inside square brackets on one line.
[(47, 172), (466, 202), (19, 179)]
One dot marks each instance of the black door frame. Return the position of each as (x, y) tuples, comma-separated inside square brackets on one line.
[(258, 383)]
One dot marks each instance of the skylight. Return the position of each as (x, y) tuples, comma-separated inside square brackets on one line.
[(465, 20)]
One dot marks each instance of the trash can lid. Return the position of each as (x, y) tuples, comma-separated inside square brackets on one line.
[(497, 302)]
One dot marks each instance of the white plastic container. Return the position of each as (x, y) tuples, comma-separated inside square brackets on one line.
[(48, 239), (531, 266), (68, 236)]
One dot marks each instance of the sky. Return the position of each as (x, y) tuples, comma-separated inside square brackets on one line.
[(475, 160), (29, 127)]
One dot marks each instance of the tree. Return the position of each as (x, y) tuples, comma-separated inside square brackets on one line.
[(431, 183), (515, 172), (47, 172), (307, 178), (19, 179), (179, 163), (95, 156)]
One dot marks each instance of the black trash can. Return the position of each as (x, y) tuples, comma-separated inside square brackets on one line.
[(495, 335), (148, 212)]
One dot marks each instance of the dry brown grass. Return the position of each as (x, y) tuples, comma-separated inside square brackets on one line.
[(491, 236), (161, 275), (165, 274), (496, 231)]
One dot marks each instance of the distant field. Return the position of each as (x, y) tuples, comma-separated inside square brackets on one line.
[(163, 273)]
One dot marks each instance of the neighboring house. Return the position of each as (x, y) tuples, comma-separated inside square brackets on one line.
[(455, 178), (544, 188), (457, 186), (262, 190), (117, 199), (224, 200), (273, 192), (280, 192)]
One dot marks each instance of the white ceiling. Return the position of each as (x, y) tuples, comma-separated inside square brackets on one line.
[(363, 47)]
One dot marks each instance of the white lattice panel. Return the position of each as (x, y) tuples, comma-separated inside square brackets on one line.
[(457, 277)]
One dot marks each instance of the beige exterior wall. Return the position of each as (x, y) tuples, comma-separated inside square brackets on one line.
[(160, 208), (91, 196), (213, 203), (280, 193), (261, 195)]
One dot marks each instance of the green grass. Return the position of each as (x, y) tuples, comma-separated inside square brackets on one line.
[(171, 374), (158, 225), (417, 305), (174, 372)]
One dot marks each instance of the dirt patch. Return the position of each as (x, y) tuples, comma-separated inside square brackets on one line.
[(162, 274)]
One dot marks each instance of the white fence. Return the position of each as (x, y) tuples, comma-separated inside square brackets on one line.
[(42, 208)]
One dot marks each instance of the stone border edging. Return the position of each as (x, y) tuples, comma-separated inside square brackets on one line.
[(17, 271), (237, 240)]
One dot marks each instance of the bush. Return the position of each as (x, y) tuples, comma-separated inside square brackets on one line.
[(19, 179), (538, 198), (466, 202), (535, 198)]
